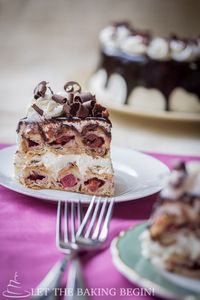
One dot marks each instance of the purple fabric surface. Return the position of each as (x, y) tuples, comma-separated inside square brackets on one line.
[(27, 239)]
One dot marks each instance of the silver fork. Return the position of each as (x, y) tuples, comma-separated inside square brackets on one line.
[(66, 244), (94, 228), (91, 235), (88, 233)]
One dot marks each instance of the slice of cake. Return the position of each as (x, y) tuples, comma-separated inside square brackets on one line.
[(172, 240), (64, 142), (146, 72)]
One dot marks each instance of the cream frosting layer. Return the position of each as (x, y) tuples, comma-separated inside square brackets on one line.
[(187, 244), (55, 162)]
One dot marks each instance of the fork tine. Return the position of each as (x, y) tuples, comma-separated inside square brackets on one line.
[(73, 217), (92, 222), (58, 225), (86, 217), (79, 213), (104, 231), (66, 217), (99, 221)]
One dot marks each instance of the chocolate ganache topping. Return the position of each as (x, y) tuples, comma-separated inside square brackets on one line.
[(72, 103), (148, 61)]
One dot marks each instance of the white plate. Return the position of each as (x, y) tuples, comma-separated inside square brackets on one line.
[(136, 175)]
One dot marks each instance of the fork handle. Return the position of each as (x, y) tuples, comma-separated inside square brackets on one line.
[(75, 281), (51, 281)]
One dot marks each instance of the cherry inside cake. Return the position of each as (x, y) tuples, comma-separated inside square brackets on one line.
[(64, 142)]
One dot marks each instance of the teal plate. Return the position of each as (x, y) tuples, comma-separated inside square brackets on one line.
[(127, 257)]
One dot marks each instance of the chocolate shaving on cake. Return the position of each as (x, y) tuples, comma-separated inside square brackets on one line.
[(37, 109), (72, 86), (70, 98), (83, 112), (84, 97), (66, 109), (78, 110), (40, 90), (179, 166), (89, 105), (100, 111), (82, 104), (74, 108), (75, 103), (59, 99), (50, 89)]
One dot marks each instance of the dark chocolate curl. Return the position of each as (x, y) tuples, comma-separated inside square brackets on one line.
[(70, 98), (77, 98), (74, 108), (72, 86), (59, 99), (50, 89), (66, 108), (40, 89), (89, 105), (75, 103), (99, 111), (37, 109), (83, 97), (179, 166), (105, 114), (83, 112)]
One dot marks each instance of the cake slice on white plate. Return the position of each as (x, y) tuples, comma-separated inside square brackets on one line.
[(172, 241), (64, 142)]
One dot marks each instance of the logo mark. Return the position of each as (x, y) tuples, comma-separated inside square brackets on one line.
[(14, 289)]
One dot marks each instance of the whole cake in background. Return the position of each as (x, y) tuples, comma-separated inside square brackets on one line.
[(147, 72), (64, 142), (172, 240)]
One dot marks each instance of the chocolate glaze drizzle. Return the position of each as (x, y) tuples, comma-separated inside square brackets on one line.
[(149, 73)]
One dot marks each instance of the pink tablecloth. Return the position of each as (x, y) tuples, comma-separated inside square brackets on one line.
[(27, 239)]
